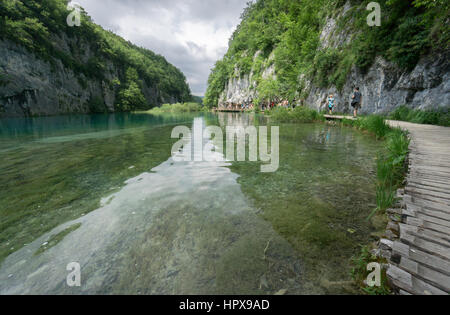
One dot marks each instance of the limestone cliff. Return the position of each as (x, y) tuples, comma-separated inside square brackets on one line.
[(384, 83), (50, 68)]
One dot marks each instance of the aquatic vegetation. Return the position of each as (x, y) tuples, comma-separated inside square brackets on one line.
[(391, 163), (359, 272), (375, 124), (391, 168), (314, 208), (319, 199), (46, 181), (385, 198), (398, 149), (300, 114), (177, 108)]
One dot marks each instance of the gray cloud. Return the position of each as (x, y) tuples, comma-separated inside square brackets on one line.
[(191, 34)]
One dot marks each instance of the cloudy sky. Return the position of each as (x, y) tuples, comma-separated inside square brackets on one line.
[(191, 34)]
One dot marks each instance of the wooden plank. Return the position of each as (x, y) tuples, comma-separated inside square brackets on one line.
[(429, 197), (431, 175), (441, 189), (421, 168), (409, 283), (422, 161), (427, 176), (427, 234), (437, 279), (426, 259), (417, 240), (338, 117), (423, 255), (432, 169), (414, 209), (427, 179), (425, 217), (428, 225), (430, 247), (426, 203)]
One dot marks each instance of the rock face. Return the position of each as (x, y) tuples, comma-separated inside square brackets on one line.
[(30, 86), (384, 86), (241, 89), (238, 90)]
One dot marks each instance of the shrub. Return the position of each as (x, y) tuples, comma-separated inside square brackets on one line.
[(391, 165), (177, 108), (359, 272), (391, 168), (131, 98), (375, 124), (438, 117), (299, 114)]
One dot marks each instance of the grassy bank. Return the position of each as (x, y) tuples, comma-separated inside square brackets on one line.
[(297, 115), (177, 108), (439, 117), (391, 164)]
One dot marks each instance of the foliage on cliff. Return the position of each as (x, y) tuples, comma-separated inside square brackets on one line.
[(291, 31), (40, 26)]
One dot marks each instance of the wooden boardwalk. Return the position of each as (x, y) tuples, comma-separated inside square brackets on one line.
[(229, 110), (419, 249), (418, 233), (338, 117)]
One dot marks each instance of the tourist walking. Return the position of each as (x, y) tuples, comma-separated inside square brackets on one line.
[(356, 101), (331, 104)]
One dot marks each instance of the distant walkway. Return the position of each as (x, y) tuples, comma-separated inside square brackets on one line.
[(338, 117), (420, 261), (229, 110)]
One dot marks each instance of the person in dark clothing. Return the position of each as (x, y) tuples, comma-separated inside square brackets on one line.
[(356, 101)]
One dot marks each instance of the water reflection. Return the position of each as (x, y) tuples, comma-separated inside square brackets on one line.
[(179, 227), (184, 228)]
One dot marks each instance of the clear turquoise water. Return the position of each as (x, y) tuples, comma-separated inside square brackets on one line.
[(153, 226)]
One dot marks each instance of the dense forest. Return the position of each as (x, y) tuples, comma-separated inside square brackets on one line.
[(289, 32), (37, 25)]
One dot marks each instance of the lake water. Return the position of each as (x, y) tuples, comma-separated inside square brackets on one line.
[(103, 191)]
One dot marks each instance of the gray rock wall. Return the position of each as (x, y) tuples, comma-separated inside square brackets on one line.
[(384, 86), (30, 86)]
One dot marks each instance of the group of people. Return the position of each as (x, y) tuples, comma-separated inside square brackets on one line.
[(355, 102), (250, 106), (284, 104), (247, 106), (234, 106)]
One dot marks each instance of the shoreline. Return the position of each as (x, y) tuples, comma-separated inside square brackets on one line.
[(416, 244)]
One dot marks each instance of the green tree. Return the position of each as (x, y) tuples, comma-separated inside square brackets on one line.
[(35, 24), (130, 96), (289, 32)]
